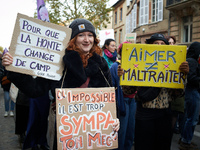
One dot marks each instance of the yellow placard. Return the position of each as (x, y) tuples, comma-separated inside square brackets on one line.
[(153, 65)]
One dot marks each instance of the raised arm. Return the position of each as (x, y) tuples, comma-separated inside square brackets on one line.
[(26, 83)]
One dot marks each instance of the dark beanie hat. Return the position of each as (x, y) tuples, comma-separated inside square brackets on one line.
[(157, 36), (194, 50), (81, 25)]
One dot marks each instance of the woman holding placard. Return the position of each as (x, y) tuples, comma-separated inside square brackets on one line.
[(153, 114), (84, 66)]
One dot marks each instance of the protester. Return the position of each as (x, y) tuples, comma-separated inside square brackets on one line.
[(38, 123), (171, 40), (109, 51), (5, 84), (39, 107), (21, 116), (126, 108), (9, 104), (1, 66), (192, 98), (153, 116), (177, 105), (84, 67)]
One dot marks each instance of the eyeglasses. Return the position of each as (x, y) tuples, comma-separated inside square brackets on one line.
[(113, 45)]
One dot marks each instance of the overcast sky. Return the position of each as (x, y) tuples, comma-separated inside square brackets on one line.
[(9, 10)]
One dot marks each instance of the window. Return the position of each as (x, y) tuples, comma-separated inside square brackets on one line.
[(116, 36), (134, 16), (187, 29), (121, 14), (116, 17), (144, 12), (127, 26), (120, 36), (127, 3), (130, 22), (157, 10)]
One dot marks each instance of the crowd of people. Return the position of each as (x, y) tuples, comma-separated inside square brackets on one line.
[(146, 124)]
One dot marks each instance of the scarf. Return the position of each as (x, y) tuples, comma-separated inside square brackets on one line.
[(111, 56)]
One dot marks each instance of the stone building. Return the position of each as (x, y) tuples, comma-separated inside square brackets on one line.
[(184, 20), (180, 18)]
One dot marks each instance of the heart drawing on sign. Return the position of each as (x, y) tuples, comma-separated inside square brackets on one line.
[(107, 33)]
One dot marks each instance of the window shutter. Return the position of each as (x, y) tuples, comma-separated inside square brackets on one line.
[(141, 11), (146, 12), (160, 10), (127, 3), (132, 19), (126, 24), (129, 23), (134, 16)]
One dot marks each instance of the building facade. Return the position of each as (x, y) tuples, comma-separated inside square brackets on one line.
[(184, 20), (180, 18), (119, 21)]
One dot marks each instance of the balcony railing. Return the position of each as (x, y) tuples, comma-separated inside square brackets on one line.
[(180, 4), (172, 2)]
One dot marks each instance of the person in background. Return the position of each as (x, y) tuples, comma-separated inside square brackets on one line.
[(109, 51), (153, 114), (126, 107), (171, 40), (5, 84), (83, 67), (36, 133), (192, 98), (177, 105), (21, 116), (1, 66), (9, 104)]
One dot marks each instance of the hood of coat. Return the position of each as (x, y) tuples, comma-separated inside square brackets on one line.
[(194, 50)]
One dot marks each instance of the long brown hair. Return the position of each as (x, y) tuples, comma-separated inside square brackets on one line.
[(170, 36), (95, 49)]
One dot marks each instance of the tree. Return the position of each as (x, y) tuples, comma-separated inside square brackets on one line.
[(64, 11), (1, 49)]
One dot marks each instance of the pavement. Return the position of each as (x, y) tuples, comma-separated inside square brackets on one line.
[(10, 141)]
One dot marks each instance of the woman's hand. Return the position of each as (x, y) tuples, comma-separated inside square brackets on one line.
[(7, 59), (120, 71), (184, 67), (116, 125)]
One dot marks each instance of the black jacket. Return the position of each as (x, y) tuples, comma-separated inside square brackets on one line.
[(193, 77), (76, 75)]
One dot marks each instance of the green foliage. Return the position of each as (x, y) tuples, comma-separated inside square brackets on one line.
[(1, 49), (64, 11)]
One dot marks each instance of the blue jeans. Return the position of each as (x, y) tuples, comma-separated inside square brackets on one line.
[(127, 125), (192, 101), (8, 102)]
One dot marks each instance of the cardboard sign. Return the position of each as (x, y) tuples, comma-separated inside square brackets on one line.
[(85, 117), (37, 47), (13, 92), (105, 34), (153, 65), (131, 37)]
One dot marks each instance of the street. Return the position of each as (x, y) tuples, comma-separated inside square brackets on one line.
[(10, 141)]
